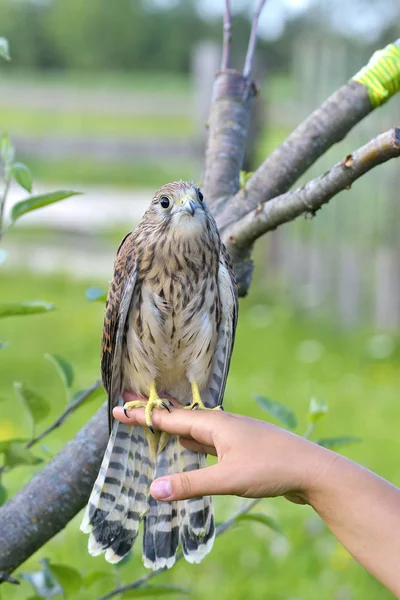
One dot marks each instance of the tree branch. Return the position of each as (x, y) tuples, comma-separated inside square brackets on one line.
[(226, 48), (248, 65), (220, 529), (326, 126), (226, 144), (69, 410), (54, 496), (61, 418), (314, 194), (229, 120)]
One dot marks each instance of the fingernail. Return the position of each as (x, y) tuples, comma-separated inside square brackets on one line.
[(161, 488)]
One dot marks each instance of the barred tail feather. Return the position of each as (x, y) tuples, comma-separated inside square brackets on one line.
[(161, 528), (119, 499), (196, 516), (136, 488)]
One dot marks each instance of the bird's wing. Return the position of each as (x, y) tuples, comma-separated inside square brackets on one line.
[(119, 299), (228, 299)]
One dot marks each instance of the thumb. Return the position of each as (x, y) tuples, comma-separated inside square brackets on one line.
[(200, 482)]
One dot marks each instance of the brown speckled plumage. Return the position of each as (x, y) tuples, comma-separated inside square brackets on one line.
[(170, 318)]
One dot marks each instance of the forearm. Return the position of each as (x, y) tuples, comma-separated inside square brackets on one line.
[(256, 459), (363, 512)]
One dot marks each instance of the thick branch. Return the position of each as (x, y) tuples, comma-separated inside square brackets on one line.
[(326, 126), (228, 129), (312, 196), (229, 120), (54, 496)]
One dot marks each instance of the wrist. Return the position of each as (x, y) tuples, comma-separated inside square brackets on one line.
[(320, 476), (304, 468)]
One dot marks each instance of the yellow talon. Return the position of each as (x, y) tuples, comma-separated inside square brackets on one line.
[(197, 403), (153, 402)]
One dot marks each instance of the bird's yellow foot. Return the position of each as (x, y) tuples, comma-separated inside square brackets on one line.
[(153, 402), (197, 403)]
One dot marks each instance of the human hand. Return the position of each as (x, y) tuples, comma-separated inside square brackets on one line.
[(255, 459)]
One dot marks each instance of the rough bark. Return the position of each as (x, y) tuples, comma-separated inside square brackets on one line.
[(54, 495), (313, 195), (226, 144), (326, 126)]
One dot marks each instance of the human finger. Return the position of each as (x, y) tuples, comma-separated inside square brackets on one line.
[(192, 484), (198, 425)]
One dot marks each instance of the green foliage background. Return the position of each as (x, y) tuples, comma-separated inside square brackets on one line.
[(279, 353), (270, 359)]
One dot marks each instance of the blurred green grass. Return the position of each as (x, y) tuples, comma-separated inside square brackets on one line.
[(139, 81), (278, 354), (130, 173), (94, 124), (87, 120)]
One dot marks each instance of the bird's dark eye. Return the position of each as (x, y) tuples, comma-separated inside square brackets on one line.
[(200, 195), (164, 201)]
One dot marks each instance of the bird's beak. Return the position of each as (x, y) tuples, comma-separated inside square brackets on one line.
[(188, 206)]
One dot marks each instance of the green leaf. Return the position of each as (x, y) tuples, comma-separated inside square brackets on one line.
[(3, 345), (263, 519), (333, 443), (146, 591), (244, 176), (5, 444), (14, 309), (317, 410), (38, 407), (97, 393), (35, 202), (4, 51), (63, 367), (281, 413), (3, 494), (42, 582), (69, 579), (96, 294), (22, 175), (7, 151), (95, 576), (17, 454), (3, 255)]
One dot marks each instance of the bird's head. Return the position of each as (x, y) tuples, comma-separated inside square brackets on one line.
[(181, 205)]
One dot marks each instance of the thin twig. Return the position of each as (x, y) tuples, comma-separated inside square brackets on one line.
[(309, 431), (220, 529), (312, 196), (7, 577), (248, 65), (3, 199), (70, 408), (60, 420), (226, 48)]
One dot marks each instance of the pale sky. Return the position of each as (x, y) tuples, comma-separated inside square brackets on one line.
[(362, 18)]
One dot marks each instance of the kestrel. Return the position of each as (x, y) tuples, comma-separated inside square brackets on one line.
[(169, 329)]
